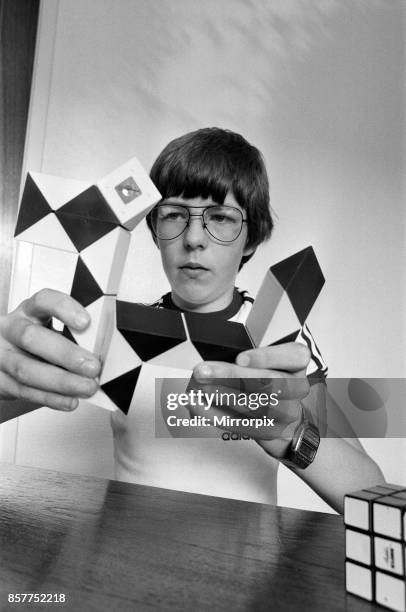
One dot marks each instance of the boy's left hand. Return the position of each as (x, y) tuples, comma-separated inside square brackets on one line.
[(279, 369)]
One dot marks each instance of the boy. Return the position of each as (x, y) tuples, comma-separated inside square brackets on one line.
[(213, 215)]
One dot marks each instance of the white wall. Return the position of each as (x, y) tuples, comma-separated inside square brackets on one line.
[(316, 85)]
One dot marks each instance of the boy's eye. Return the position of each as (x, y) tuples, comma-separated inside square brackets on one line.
[(172, 214), (218, 218), (223, 216)]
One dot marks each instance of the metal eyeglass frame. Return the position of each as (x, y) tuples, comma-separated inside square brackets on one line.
[(200, 215)]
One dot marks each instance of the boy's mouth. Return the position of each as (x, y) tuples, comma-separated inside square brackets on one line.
[(192, 266), (192, 269)]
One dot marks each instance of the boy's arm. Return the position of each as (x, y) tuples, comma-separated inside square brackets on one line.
[(339, 468), (341, 465), (40, 365)]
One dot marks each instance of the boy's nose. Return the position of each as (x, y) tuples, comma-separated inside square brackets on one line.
[(195, 234)]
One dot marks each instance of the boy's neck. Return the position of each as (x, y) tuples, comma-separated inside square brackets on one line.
[(228, 311), (216, 305)]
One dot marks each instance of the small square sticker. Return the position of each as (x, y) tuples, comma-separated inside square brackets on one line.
[(128, 190)]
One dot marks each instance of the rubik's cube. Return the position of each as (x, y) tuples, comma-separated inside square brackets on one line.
[(74, 237), (375, 541), (146, 334)]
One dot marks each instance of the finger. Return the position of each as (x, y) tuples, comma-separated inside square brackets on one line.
[(266, 428), (219, 388), (30, 372), (288, 357), (230, 394), (52, 347), (251, 379), (237, 402), (49, 303), (36, 396), (208, 371)]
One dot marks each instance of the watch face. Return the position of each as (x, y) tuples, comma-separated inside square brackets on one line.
[(305, 443)]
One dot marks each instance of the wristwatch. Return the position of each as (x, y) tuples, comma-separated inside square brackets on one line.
[(304, 445)]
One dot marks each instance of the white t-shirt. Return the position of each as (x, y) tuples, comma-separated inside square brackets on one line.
[(233, 468)]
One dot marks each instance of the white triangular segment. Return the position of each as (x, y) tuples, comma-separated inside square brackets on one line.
[(284, 321), (96, 337), (264, 307), (48, 232), (320, 316), (21, 273), (56, 190), (106, 257), (183, 356), (120, 358), (101, 400), (52, 268)]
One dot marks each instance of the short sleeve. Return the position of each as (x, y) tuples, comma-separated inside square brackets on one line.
[(317, 368)]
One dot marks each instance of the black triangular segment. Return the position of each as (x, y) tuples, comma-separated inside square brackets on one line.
[(289, 338), (67, 333), (142, 318), (220, 341), (149, 330), (83, 231), (148, 345), (121, 390), (301, 277), (214, 352), (90, 204), (33, 208), (84, 287)]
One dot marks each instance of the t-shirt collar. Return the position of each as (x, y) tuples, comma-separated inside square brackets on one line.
[(226, 313)]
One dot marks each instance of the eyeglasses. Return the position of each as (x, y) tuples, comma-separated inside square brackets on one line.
[(222, 222)]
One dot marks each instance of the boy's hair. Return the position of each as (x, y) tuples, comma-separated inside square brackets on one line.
[(210, 162)]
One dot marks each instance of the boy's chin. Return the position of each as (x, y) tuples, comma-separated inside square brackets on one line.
[(191, 300), (199, 300)]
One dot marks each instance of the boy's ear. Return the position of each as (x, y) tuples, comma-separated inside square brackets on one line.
[(249, 250)]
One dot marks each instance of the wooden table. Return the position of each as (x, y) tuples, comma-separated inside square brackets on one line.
[(115, 546)]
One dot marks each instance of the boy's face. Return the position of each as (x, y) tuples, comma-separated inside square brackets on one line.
[(200, 269)]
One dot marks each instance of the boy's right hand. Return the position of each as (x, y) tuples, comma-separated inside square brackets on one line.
[(40, 365)]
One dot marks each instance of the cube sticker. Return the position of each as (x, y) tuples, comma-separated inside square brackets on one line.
[(128, 190)]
